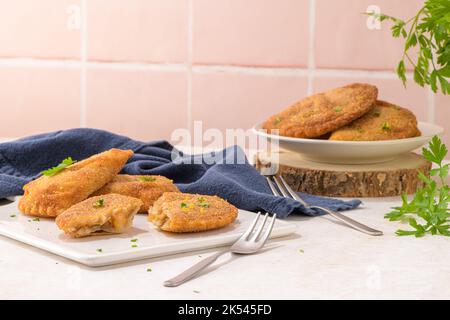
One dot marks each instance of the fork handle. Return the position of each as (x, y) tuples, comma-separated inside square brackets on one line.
[(350, 222), (194, 270)]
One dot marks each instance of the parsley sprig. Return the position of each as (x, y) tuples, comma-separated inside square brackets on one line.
[(429, 30), (428, 211), (64, 164)]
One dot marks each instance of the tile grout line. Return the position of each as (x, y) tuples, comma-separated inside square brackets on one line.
[(311, 42), (249, 70), (189, 64), (167, 67), (83, 75)]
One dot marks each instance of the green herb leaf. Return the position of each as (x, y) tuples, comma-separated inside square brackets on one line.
[(437, 151), (428, 34), (99, 250), (385, 126), (12, 216), (277, 121), (146, 179), (183, 205), (99, 203), (401, 71), (64, 164), (428, 212), (203, 205)]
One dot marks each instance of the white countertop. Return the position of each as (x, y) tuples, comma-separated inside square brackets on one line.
[(336, 262)]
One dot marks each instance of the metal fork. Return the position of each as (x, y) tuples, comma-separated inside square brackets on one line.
[(287, 192), (250, 242)]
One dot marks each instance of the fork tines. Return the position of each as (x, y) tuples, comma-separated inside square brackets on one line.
[(255, 234)]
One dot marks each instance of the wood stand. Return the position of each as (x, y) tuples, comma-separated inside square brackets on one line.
[(385, 179)]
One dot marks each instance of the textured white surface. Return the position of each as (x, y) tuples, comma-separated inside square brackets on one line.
[(44, 234), (337, 262)]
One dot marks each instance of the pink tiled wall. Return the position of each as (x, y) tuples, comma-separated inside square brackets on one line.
[(146, 67)]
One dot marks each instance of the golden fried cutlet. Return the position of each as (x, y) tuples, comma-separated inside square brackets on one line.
[(110, 213), (321, 113), (48, 196), (181, 212), (146, 188), (385, 121)]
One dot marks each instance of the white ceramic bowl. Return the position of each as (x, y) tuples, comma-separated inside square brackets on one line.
[(352, 152)]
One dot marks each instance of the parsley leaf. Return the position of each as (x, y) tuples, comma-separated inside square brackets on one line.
[(146, 179), (428, 34), (203, 204), (64, 164), (385, 126), (277, 121), (99, 203), (428, 211)]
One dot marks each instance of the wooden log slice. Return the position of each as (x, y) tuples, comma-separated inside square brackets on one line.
[(385, 179)]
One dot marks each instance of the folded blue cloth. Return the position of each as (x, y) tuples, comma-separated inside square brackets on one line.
[(23, 160)]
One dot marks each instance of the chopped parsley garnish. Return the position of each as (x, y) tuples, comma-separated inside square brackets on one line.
[(146, 179), (376, 114), (134, 240), (36, 219), (149, 270), (196, 291), (12, 216), (99, 203), (134, 245), (64, 164), (99, 250), (337, 109), (385, 126), (277, 120), (301, 251), (201, 202), (183, 205), (203, 205)]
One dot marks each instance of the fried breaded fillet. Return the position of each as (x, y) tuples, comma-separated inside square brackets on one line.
[(321, 113), (146, 188), (385, 121), (181, 212), (110, 213), (48, 196)]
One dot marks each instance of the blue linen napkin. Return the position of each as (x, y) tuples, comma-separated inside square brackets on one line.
[(241, 184)]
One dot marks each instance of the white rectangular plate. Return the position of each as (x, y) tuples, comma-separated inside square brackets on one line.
[(44, 234)]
